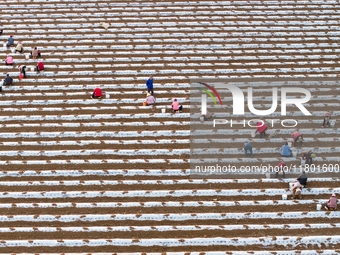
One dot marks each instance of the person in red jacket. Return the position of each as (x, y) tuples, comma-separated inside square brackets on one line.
[(97, 92), (297, 138), (280, 169), (40, 66), (261, 128)]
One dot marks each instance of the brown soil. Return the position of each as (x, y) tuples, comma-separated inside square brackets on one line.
[(126, 31), (161, 210), (176, 186)]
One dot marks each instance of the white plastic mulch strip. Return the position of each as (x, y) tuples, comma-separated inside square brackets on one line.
[(150, 182), (96, 124), (91, 86), (93, 117), (92, 134), (276, 252), (146, 172), (164, 204), (50, 153), (94, 161), (170, 216), (171, 228), (111, 101), (109, 172), (88, 142), (163, 193), (293, 241)]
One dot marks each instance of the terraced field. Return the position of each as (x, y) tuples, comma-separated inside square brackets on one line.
[(110, 176)]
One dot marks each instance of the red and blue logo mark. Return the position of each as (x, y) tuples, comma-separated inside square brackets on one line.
[(210, 94)]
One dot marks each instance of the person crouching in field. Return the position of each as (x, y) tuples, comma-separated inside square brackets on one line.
[(22, 70), (8, 80), (207, 116), (19, 48), (296, 190), (35, 53), (261, 128), (332, 203), (9, 60), (308, 156), (297, 138), (326, 120), (281, 170), (247, 147), (176, 107), (303, 179), (286, 151), (40, 66), (150, 99), (97, 93), (10, 41)]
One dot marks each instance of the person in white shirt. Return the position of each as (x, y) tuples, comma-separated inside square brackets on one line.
[(296, 190)]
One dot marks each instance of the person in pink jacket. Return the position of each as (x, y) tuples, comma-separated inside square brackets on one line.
[(332, 203), (176, 106), (150, 99), (9, 60), (261, 129), (297, 138)]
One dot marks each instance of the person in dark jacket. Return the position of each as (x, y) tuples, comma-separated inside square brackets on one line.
[(303, 179), (149, 85), (8, 80), (308, 156), (10, 41)]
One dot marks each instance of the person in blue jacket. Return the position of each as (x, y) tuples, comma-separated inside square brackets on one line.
[(10, 41), (247, 147), (286, 151), (149, 85)]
